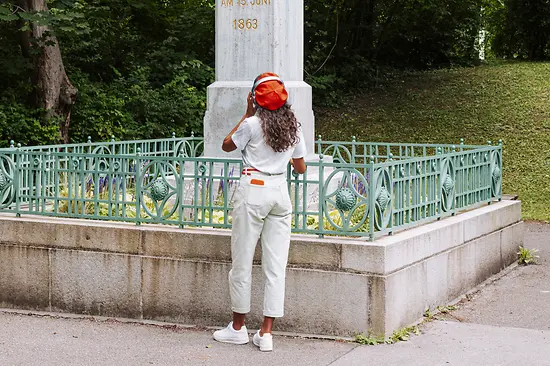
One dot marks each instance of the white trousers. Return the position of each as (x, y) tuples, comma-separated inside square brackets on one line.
[(260, 211)]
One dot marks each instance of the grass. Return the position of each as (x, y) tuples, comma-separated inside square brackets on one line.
[(369, 340), (527, 256), (400, 335), (504, 100)]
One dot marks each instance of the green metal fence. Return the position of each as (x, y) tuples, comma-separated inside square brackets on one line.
[(351, 189)]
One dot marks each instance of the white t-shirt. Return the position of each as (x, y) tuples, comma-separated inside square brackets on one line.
[(249, 138)]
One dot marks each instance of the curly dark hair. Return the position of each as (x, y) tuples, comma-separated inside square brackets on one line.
[(280, 127)]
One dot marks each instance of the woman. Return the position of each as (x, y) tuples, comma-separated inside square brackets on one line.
[(269, 137)]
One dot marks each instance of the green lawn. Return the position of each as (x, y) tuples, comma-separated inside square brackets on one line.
[(508, 101)]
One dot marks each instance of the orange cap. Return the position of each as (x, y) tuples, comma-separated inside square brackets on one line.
[(270, 94)]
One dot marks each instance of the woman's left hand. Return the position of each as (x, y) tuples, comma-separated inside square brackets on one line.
[(250, 109)]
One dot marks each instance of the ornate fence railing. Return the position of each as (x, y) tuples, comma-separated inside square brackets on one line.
[(184, 146), (357, 151), (352, 189)]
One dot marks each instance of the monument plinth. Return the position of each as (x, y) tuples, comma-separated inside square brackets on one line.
[(252, 37)]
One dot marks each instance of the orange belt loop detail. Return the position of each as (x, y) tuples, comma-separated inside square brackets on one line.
[(257, 182)]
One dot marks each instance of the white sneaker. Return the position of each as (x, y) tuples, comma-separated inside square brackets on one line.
[(230, 335), (265, 343)]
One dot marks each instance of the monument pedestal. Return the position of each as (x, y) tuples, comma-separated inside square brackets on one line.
[(253, 37), (226, 104)]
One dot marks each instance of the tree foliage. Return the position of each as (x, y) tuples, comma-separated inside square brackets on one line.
[(353, 40), (142, 67), (520, 28)]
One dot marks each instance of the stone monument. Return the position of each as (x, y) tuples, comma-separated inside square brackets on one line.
[(252, 37)]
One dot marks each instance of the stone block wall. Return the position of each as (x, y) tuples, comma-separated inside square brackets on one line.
[(335, 286)]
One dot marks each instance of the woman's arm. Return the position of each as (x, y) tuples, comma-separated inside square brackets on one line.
[(299, 165), (228, 145)]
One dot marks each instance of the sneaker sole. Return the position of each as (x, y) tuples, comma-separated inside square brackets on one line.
[(260, 347), (230, 341)]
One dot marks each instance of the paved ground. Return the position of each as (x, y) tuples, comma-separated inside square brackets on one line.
[(506, 323), (29, 340), (520, 299), (452, 343)]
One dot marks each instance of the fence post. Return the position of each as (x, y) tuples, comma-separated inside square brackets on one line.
[(500, 167), (372, 198), (16, 182), (321, 192), (138, 186), (439, 187)]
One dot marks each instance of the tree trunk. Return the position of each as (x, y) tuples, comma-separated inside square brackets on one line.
[(53, 89)]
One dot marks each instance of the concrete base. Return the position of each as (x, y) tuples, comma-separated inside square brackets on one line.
[(335, 286), (227, 104)]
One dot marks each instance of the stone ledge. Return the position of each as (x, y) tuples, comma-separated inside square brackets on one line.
[(333, 300), (90, 235), (392, 253), (383, 256), (335, 286)]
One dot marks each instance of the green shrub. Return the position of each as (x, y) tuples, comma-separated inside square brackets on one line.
[(131, 108), (23, 125)]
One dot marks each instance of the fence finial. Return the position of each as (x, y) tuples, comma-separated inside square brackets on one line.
[(390, 156), (89, 139), (12, 144), (453, 148), (173, 135), (439, 150), (461, 141), (192, 133), (138, 150), (500, 142), (489, 143), (112, 138), (371, 159)]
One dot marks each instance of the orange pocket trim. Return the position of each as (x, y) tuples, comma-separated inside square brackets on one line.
[(257, 182)]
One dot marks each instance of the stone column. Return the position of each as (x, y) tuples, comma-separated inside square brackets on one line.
[(252, 37)]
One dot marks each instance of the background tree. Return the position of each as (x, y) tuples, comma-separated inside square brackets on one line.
[(521, 28), (142, 67), (51, 90)]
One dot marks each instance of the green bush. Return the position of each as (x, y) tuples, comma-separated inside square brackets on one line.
[(23, 125), (131, 108), (100, 112)]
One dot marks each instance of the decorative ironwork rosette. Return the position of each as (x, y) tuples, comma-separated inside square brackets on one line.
[(7, 189), (447, 184), (383, 198), (345, 206), (496, 173), (159, 190)]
